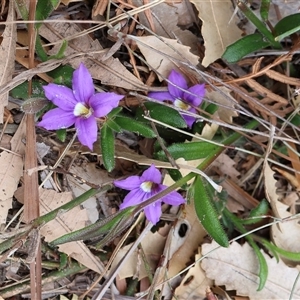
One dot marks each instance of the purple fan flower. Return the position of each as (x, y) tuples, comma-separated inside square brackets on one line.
[(79, 105), (144, 187), (181, 98)]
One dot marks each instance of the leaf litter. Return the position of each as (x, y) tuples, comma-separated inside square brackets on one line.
[(154, 38)]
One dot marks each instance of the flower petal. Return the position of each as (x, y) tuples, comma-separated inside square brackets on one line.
[(162, 96), (129, 183), (199, 91), (103, 103), (134, 197), (189, 120), (179, 81), (87, 131), (174, 198), (61, 96), (153, 212), (82, 83), (56, 119), (151, 174)]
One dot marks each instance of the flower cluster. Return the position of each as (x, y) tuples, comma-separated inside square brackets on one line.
[(79, 105), (181, 96), (144, 187)]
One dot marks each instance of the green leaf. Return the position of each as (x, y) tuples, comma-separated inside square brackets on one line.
[(113, 125), (61, 134), (62, 75), (114, 112), (44, 9), (261, 209), (261, 27), (108, 147), (293, 256), (264, 9), (206, 212), (21, 91), (189, 151), (134, 126), (287, 26), (244, 46), (165, 114)]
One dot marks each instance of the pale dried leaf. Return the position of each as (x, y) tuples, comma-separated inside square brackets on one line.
[(7, 54), (286, 234), (90, 173), (165, 19), (217, 32), (194, 283), (110, 72), (237, 268), (152, 244), (226, 109), (161, 56), (194, 237), (65, 223), (10, 174)]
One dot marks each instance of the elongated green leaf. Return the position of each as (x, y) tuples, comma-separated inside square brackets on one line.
[(244, 46), (287, 26), (101, 227), (207, 214), (165, 114), (294, 256), (113, 125), (261, 27), (108, 147), (134, 126), (263, 266), (114, 112), (264, 9), (255, 213), (189, 151)]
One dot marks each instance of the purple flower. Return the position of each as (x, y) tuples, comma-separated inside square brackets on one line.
[(144, 187), (79, 105), (181, 98)]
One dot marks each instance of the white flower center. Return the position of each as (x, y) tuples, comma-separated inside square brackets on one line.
[(81, 110), (181, 104), (146, 186)]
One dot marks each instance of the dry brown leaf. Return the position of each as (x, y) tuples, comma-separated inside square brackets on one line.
[(7, 54), (285, 235), (283, 78), (152, 244), (237, 268), (110, 72), (194, 283), (66, 223), (165, 19), (217, 32), (226, 166), (226, 109), (153, 49)]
